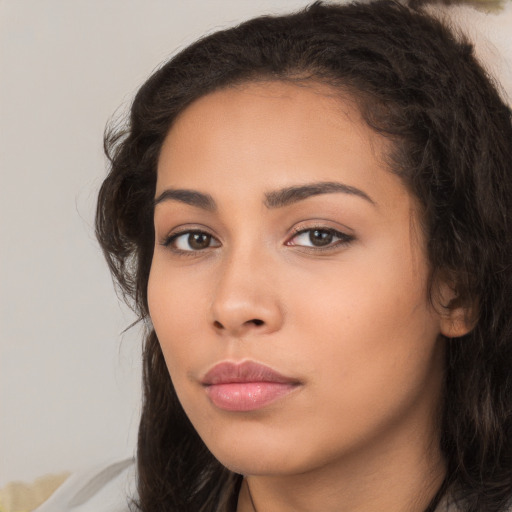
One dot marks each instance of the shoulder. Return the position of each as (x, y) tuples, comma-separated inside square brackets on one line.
[(110, 487)]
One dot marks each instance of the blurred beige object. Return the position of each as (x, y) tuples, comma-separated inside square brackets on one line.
[(482, 5), (22, 497), (485, 5)]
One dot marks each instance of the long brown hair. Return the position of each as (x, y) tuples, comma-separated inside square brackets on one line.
[(419, 86)]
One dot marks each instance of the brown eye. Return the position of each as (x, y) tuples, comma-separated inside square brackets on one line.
[(319, 237), (190, 241), (198, 241)]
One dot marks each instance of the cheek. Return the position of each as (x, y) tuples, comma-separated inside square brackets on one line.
[(363, 295), (174, 307), (367, 333)]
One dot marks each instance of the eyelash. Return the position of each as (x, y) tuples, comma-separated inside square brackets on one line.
[(343, 239)]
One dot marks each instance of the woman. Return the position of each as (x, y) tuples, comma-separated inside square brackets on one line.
[(310, 213)]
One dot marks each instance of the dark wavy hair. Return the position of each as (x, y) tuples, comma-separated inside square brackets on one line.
[(418, 84)]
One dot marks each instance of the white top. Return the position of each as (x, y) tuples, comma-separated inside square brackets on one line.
[(107, 488)]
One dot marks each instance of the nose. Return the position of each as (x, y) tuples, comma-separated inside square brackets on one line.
[(245, 300)]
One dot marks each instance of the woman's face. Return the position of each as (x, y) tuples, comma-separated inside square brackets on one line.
[(288, 287)]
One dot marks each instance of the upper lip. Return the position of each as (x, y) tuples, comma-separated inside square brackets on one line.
[(247, 371)]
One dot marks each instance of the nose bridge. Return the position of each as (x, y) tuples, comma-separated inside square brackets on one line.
[(245, 296)]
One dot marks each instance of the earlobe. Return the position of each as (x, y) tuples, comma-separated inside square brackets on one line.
[(456, 317), (456, 322)]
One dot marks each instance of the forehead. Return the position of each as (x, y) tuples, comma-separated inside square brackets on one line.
[(258, 105), (270, 135)]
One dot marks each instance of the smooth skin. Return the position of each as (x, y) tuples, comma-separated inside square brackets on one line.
[(256, 258)]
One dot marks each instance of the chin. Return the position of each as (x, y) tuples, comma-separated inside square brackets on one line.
[(261, 455), (258, 465)]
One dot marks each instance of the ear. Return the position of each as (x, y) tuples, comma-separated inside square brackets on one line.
[(456, 317)]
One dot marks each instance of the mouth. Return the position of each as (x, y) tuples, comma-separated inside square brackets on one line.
[(245, 386)]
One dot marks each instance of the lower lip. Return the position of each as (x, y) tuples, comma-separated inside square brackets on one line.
[(247, 396)]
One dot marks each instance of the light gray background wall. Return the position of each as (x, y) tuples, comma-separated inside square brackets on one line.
[(69, 380)]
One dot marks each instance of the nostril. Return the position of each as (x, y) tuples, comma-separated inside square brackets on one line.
[(255, 321)]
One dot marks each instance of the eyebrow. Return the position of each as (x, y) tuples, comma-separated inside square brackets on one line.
[(275, 199), (290, 195), (190, 197)]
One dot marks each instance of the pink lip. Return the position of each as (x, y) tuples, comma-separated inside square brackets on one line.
[(245, 386)]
